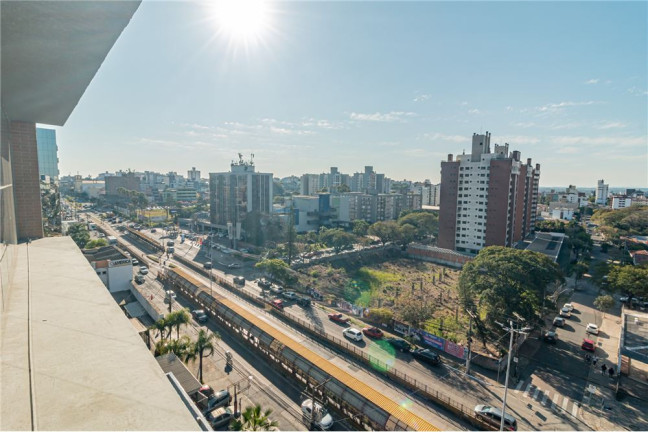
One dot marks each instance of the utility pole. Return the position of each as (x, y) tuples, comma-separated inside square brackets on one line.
[(469, 341), (508, 369)]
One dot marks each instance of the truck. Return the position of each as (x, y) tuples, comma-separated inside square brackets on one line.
[(111, 240)]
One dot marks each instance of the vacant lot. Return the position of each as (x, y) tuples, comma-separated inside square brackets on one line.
[(413, 290)]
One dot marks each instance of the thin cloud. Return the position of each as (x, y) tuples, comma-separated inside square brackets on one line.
[(393, 116), (446, 138), (615, 141), (592, 81), (524, 124), (637, 91), (474, 111), (612, 125), (567, 104), (422, 98)]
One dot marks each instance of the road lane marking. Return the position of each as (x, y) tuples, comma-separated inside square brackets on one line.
[(526, 392), (555, 400), (518, 387), (565, 403), (536, 393), (544, 399), (575, 410)]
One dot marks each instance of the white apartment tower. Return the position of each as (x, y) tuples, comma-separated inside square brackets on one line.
[(601, 192)]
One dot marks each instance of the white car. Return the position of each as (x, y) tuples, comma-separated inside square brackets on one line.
[(568, 306), (592, 328), (565, 312), (234, 265), (325, 420), (143, 270), (353, 334)]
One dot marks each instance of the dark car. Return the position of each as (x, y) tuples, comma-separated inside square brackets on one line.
[(207, 265), (239, 280), (200, 315), (400, 344), (426, 356), (373, 332), (338, 318), (550, 337), (264, 283)]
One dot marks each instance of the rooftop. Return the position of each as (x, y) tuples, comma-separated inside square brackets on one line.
[(634, 343), (546, 243), (71, 360)]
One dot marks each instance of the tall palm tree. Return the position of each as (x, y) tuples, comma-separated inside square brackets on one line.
[(252, 419), (181, 317), (203, 347), (181, 347), (161, 326)]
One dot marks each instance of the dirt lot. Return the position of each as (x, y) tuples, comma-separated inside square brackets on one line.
[(413, 290)]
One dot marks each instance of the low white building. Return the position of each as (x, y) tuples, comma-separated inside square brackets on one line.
[(113, 267), (562, 213), (306, 213), (621, 201)]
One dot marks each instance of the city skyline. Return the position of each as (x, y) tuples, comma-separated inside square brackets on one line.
[(395, 86)]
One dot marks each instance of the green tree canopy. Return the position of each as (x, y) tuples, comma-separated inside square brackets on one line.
[(623, 222), (629, 279), (360, 227), (425, 223), (502, 282), (406, 234), (604, 303), (96, 243), (254, 419), (275, 268), (385, 231), (79, 234), (337, 238)]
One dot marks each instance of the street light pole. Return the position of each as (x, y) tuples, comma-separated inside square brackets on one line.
[(508, 369), (469, 342)]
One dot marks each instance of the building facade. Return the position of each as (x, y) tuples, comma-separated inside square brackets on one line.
[(236, 193), (621, 201), (601, 193), (488, 198), (47, 153)]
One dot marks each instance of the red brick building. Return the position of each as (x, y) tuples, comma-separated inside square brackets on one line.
[(488, 198)]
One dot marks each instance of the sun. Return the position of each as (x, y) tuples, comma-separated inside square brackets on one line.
[(241, 20)]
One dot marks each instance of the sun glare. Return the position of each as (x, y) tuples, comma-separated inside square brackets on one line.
[(242, 20)]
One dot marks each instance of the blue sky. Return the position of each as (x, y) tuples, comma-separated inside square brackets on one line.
[(396, 85)]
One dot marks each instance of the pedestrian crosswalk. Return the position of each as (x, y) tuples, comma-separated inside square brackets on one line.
[(555, 401)]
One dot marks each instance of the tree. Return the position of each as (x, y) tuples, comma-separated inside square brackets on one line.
[(502, 282), (360, 227), (203, 347), (425, 223), (415, 311), (337, 238), (385, 231), (161, 326), (604, 303), (578, 270), (96, 243), (178, 318), (629, 279), (79, 234), (407, 233), (275, 268), (253, 419), (181, 347)]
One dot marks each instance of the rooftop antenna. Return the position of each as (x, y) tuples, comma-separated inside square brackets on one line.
[(251, 158), (240, 155)]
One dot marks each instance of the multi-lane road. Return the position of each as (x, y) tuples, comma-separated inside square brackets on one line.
[(530, 402)]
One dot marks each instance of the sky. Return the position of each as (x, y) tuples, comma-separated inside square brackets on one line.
[(394, 85)]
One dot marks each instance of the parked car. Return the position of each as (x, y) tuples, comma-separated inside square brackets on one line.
[(592, 328), (493, 416), (400, 344), (426, 356), (277, 304), (304, 301), (199, 315), (559, 321), (373, 332), (325, 420), (550, 337), (207, 265), (219, 399), (290, 295), (239, 280), (353, 334), (264, 283), (169, 295), (153, 230), (134, 262), (143, 270), (568, 306), (565, 312), (234, 265), (220, 417), (588, 345), (276, 289), (338, 318), (170, 243), (139, 279), (170, 249)]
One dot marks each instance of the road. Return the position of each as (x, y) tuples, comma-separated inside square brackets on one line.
[(534, 408)]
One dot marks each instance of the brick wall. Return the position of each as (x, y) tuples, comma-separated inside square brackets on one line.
[(26, 186)]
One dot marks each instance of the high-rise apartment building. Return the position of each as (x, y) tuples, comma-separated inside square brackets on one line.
[(236, 193), (488, 198), (193, 175), (310, 184), (601, 192), (47, 153)]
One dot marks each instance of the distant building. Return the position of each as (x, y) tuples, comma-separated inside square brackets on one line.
[(193, 175), (236, 193), (488, 198), (310, 184), (621, 201), (639, 257), (601, 193), (47, 153), (127, 181)]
